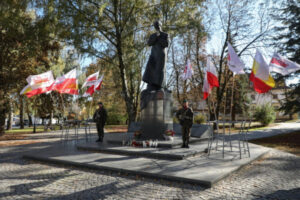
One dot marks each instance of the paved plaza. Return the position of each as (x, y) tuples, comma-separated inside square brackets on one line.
[(275, 176)]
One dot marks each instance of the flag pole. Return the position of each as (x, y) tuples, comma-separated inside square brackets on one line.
[(231, 102), (63, 106), (224, 114), (34, 122)]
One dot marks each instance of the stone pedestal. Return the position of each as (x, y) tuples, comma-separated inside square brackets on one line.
[(156, 116)]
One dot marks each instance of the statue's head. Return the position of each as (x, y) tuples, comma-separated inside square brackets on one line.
[(157, 25)]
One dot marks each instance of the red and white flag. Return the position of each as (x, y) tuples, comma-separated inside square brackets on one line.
[(90, 80), (66, 83), (41, 80), (212, 76), (206, 87), (188, 71), (38, 84), (96, 86), (282, 65), (234, 62)]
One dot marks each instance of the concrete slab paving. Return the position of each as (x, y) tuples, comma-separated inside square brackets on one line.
[(199, 170)]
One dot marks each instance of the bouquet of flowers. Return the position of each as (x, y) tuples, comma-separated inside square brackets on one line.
[(169, 135), (136, 144), (144, 144)]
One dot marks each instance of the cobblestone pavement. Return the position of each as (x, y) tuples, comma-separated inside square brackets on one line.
[(276, 176)]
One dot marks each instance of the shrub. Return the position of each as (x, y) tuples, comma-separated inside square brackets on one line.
[(199, 119), (265, 114), (116, 119)]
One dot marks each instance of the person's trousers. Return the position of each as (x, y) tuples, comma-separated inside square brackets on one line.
[(100, 131), (186, 133)]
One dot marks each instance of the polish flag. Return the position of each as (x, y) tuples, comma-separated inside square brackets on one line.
[(90, 80), (206, 87), (282, 65), (234, 62), (38, 84), (211, 71), (96, 86), (31, 91), (188, 71), (66, 83)]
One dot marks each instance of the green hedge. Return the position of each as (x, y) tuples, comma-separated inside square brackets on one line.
[(115, 119), (199, 119)]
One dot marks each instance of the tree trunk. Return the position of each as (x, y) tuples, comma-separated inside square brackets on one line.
[(50, 118), (10, 118), (21, 113), (2, 122), (34, 124), (128, 100), (29, 119), (3, 111)]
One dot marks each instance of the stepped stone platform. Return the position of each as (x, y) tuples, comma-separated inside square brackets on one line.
[(120, 138), (184, 165), (158, 153)]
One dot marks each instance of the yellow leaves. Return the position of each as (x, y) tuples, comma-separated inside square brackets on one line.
[(100, 10)]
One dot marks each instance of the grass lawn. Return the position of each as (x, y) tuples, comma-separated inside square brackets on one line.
[(116, 128), (26, 130), (286, 142)]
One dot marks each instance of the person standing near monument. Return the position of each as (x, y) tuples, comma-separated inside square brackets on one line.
[(100, 117), (185, 115)]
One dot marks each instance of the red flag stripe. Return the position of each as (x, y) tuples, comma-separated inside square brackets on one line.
[(36, 92), (258, 85), (212, 80), (278, 62), (90, 90), (94, 78), (205, 95)]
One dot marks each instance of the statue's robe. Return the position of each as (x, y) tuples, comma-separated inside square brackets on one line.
[(154, 74)]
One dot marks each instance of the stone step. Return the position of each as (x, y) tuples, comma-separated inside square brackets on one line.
[(177, 142), (156, 153)]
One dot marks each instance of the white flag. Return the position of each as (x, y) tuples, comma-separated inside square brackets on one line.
[(188, 71), (282, 65), (234, 62)]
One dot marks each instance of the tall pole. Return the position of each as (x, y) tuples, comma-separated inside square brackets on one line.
[(63, 106), (231, 102), (34, 122)]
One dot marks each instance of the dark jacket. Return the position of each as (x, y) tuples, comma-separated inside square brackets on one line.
[(100, 116), (185, 117)]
